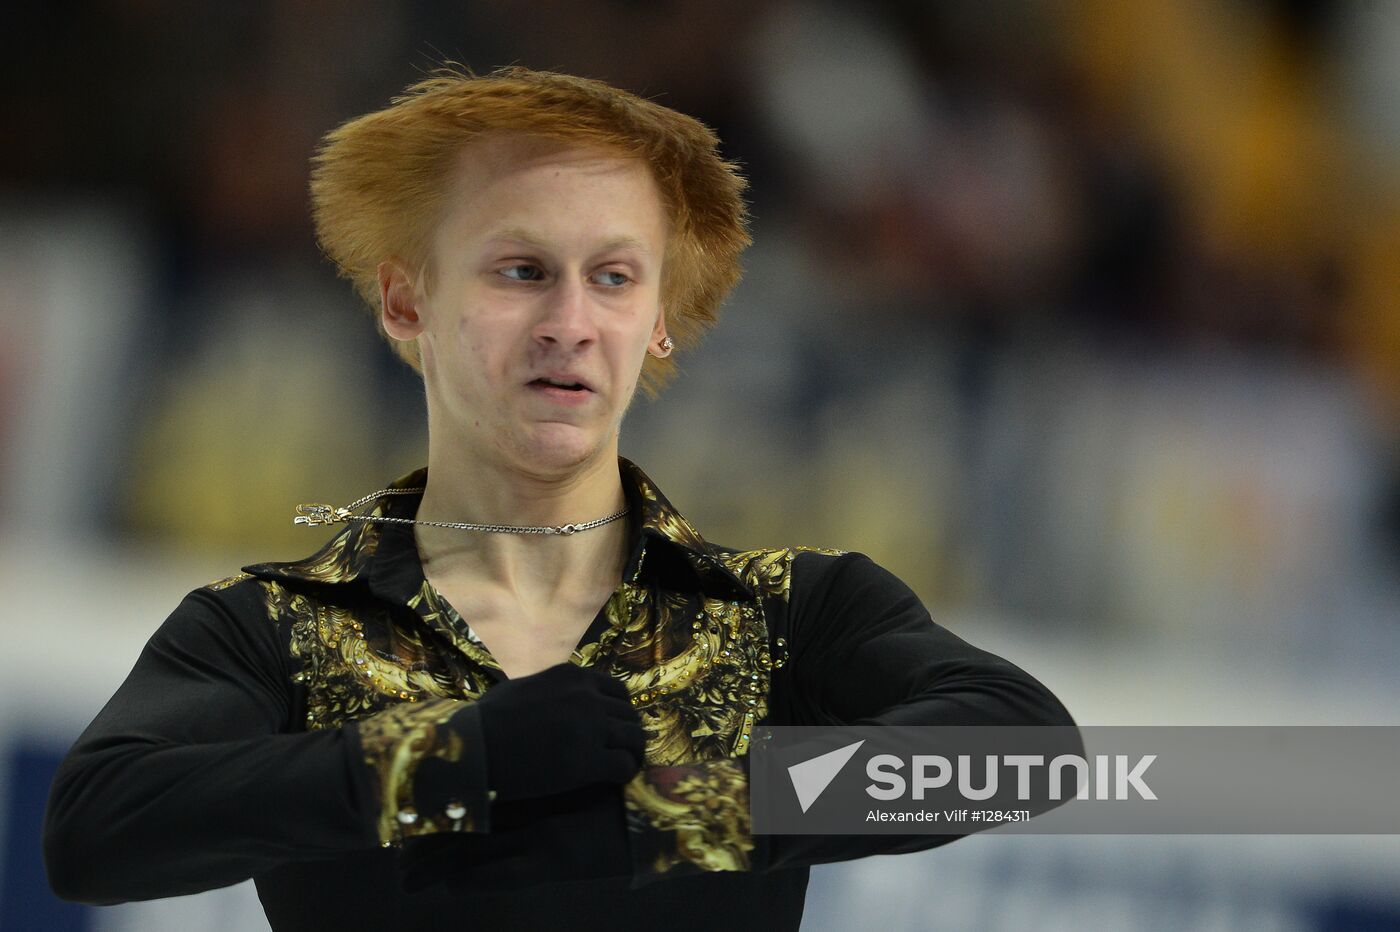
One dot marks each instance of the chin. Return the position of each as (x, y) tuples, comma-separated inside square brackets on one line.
[(556, 448)]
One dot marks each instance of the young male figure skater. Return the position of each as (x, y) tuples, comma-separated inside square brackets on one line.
[(516, 689)]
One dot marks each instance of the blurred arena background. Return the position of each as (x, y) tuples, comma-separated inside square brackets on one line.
[(1083, 317)]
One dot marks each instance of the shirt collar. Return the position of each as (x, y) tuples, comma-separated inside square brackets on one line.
[(664, 547)]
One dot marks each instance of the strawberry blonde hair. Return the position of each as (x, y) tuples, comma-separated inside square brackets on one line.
[(379, 183)]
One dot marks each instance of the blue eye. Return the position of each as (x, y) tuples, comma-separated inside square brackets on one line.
[(508, 269), (618, 278)]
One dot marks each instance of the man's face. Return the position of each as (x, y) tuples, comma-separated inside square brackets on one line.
[(547, 270)]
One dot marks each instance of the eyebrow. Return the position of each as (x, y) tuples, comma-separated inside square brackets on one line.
[(519, 234)]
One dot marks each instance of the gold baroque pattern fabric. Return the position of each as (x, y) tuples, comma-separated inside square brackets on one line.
[(704, 701), (698, 668), (699, 814), (353, 664), (394, 743), (439, 613)]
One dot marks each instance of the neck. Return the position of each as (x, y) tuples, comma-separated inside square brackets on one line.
[(532, 567)]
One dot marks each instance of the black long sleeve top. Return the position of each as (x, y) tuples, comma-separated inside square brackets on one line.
[(273, 726)]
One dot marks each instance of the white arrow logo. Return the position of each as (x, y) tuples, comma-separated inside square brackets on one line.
[(811, 777)]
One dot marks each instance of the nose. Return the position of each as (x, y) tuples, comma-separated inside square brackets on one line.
[(566, 316)]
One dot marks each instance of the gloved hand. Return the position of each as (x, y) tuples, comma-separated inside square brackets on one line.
[(554, 731), (577, 835)]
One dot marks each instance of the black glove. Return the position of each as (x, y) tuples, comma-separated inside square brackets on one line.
[(578, 835), (557, 730)]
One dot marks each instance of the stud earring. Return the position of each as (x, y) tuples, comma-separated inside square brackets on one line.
[(666, 347)]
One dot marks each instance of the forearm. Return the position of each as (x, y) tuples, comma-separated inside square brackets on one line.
[(865, 652), (194, 775), (961, 686), (133, 820)]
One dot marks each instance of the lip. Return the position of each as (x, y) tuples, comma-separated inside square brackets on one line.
[(569, 397), (564, 376)]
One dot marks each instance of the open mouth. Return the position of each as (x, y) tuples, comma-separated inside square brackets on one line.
[(561, 384)]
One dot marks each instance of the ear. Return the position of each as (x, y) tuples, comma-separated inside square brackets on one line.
[(658, 333), (398, 301)]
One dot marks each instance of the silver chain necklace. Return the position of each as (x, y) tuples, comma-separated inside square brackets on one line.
[(312, 515)]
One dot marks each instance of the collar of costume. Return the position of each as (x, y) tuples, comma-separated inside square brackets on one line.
[(664, 547)]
